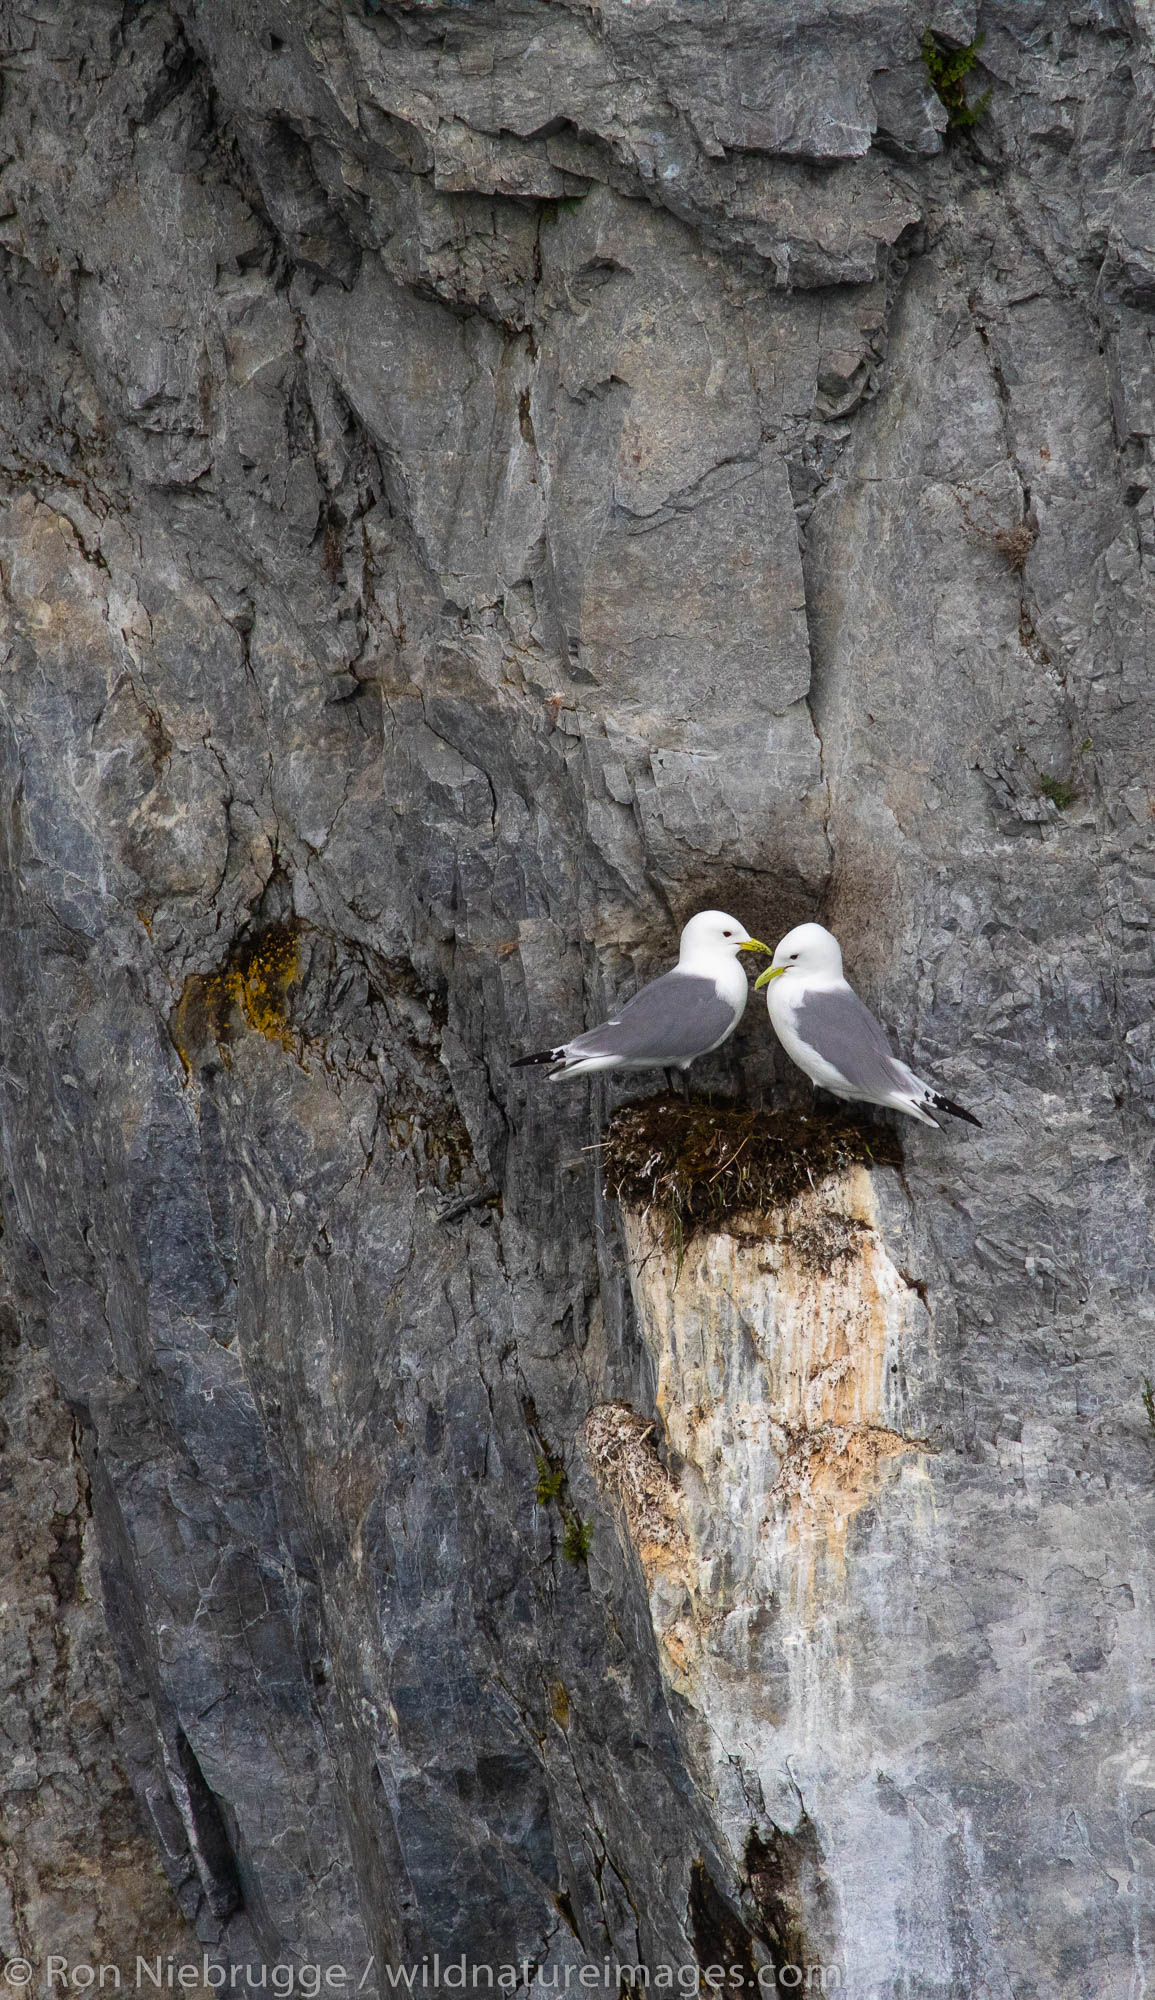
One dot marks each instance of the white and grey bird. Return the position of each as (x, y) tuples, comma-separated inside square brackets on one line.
[(675, 1019), (824, 1028)]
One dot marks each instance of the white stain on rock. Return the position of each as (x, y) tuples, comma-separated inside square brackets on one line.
[(779, 1350)]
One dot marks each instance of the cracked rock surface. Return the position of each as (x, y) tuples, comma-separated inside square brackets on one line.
[(480, 482)]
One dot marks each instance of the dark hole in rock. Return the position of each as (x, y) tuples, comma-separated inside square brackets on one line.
[(773, 1866), (720, 1937), (218, 1867)]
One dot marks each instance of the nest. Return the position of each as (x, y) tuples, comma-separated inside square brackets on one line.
[(701, 1165), (624, 1456), (1013, 544)]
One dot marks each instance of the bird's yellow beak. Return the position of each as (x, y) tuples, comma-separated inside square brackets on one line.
[(754, 944), (764, 978)]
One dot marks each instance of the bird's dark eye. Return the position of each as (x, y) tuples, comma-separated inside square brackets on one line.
[(794, 958), (727, 933)]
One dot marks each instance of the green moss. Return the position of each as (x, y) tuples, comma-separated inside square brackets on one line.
[(552, 1489), (578, 1539), (1149, 1402), (550, 1480), (552, 208), (702, 1165), (1062, 792), (948, 70)]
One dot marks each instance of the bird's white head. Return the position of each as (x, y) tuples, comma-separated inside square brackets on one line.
[(712, 934), (807, 949)]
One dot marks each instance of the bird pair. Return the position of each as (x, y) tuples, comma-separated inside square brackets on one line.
[(818, 1018)]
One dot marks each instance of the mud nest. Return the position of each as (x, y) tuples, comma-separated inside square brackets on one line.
[(698, 1165), (624, 1456)]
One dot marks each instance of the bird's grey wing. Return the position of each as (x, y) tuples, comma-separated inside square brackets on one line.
[(846, 1034), (669, 1021)]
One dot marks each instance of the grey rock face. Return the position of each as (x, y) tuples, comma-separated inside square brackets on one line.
[(78, 1872), (481, 483)]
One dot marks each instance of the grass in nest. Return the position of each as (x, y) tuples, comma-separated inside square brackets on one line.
[(699, 1165)]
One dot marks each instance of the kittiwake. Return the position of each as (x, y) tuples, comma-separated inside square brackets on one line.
[(824, 1028), (682, 1015)]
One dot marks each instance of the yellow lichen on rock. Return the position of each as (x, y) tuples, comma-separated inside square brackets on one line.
[(259, 980), (251, 987)]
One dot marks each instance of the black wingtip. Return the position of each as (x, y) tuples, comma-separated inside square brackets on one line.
[(956, 1110), (541, 1056)]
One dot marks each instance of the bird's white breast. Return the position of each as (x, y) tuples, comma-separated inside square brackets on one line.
[(729, 978)]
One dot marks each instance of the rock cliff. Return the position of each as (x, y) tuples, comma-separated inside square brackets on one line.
[(482, 481)]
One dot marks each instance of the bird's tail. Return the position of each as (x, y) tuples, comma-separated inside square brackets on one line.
[(542, 1056), (942, 1103)]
